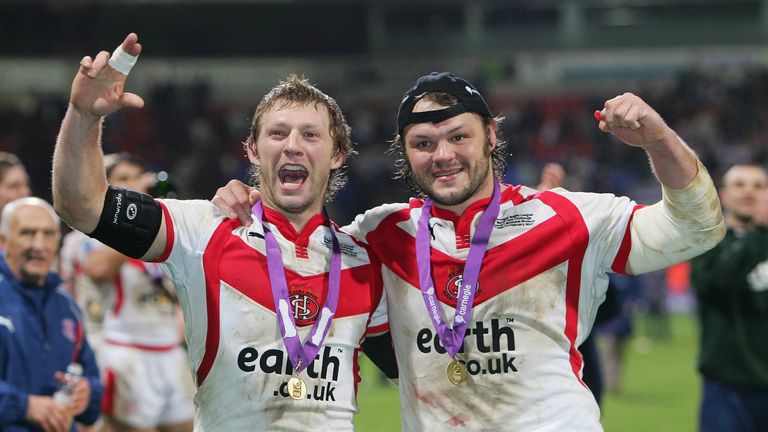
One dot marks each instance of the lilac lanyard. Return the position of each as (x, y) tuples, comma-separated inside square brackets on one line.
[(300, 356), (453, 338)]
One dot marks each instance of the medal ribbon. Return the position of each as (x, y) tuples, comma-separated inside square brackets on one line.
[(300, 355), (453, 338)]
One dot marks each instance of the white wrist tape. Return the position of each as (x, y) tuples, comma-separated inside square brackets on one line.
[(121, 61), (685, 223)]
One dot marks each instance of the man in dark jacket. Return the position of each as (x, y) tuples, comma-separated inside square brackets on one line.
[(731, 284), (40, 328)]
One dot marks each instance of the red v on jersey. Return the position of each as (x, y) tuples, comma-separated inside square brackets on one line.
[(543, 277), (245, 269), (561, 237), (551, 242), (235, 348), (230, 260)]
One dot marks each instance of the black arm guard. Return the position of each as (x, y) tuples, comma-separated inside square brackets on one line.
[(129, 222)]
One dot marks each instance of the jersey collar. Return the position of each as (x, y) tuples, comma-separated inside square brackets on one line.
[(508, 193), (288, 231)]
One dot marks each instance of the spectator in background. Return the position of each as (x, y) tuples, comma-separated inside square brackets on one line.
[(14, 181), (40, 328), (731, 286)]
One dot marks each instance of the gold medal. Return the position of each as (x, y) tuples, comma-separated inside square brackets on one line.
[(457, 372), (297, 388)]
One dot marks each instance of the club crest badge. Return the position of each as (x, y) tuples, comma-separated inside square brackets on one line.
[(69, 329), (304, 306), (454, 284)]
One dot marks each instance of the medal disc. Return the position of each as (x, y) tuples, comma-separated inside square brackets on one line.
[(297, 388), (457, 372)]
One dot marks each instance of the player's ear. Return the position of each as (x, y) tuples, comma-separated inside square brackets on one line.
[(491, 133), (337, 160), (250, 149)]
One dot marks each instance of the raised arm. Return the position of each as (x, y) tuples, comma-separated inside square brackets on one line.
[(688, 220), (79, 183), (633, 121)]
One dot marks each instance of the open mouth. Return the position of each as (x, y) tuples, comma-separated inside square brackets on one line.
[(292, 176)]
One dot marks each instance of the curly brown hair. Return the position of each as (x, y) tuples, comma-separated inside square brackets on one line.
[(297, 90), (403, 167)]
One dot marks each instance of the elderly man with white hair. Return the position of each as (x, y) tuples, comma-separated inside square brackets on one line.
[(40, 328)]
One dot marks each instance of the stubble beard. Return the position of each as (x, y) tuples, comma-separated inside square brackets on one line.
[(476, 177)]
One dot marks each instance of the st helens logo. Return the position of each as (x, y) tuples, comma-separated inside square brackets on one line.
[(453, 286), (305, 307)]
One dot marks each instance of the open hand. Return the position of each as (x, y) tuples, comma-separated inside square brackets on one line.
[(98, 89)]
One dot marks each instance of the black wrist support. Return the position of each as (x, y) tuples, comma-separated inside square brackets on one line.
[(129, 222)]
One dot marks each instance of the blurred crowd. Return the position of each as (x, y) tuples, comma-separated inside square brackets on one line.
[(184, 131)]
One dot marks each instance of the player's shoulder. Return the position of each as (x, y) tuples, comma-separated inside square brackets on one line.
[(193, 212), (190, 205), (384, 210), (351, 247), (578, 198), (194, 224), (372, 218)]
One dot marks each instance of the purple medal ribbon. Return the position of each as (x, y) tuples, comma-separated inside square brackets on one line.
[(300, 356), (452, 338)]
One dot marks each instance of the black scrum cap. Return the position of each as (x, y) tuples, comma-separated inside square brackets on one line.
[(469, 100)]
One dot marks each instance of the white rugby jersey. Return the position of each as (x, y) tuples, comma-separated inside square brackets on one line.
[(239, 362), (542, 279), (135, 309), (92, 298), (143, 311)]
